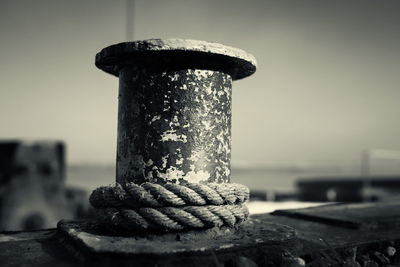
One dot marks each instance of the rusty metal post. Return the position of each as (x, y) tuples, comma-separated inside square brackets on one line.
[(174, 126), (174, 115)]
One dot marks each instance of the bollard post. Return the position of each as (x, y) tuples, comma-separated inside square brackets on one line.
[(174, 115), (173, 200)]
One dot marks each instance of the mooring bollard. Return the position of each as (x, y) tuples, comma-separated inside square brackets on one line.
[(174, 116), (173, 192), (174, 136)]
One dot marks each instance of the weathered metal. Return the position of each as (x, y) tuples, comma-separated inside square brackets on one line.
[(265, 241), (174, 115), (259, 238), (174, 124)]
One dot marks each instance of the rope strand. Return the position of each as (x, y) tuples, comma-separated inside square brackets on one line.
[(173, 195), (172, 218), (169, 207)]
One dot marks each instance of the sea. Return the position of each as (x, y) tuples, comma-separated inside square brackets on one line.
[(266, 178), (90, 176)]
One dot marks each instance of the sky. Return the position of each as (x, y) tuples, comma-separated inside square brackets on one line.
[(326, 87)]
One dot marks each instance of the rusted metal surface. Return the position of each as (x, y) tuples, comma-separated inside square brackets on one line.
[(261, 241), (174, 116), (266, 240), (174, 124), (257, 237)]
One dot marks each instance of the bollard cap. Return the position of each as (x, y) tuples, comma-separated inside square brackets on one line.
[(166, 54)]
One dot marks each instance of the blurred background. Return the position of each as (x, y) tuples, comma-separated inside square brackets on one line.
[(323, 104)]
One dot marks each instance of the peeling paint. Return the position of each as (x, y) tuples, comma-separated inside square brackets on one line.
[(174, 125), (197, 177), (170, 135)]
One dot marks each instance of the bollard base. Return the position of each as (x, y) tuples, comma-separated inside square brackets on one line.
[(256, 239)]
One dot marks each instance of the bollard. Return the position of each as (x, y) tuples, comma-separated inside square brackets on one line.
[(173, 202), (174, 115), (174, 133)]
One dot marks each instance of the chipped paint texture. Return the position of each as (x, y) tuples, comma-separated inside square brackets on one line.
[(174, 125)]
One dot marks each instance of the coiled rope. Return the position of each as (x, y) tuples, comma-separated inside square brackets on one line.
[(167, 207)]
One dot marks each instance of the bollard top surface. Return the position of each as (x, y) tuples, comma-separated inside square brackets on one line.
[(166, 54)]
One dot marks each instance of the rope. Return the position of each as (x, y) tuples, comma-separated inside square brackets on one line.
[(174, 195), (172, 218), (170, 207)]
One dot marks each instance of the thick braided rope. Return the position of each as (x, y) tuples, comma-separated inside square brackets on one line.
[(172, 218), (154, 195), (170, 207)]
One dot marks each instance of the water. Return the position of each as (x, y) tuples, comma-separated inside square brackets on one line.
[(91, 176), (278, 178)]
